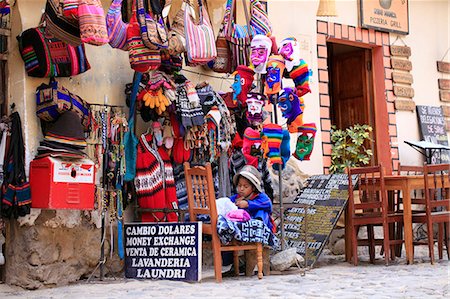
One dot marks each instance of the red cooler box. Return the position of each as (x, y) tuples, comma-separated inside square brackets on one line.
[(62, 184)]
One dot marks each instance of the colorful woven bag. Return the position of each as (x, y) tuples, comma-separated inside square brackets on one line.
[(239, 36), (177, 38), (116, 27), (53, 99), (200, 41), (259, 21), (92, 22), (70, 9), (142, 59), (153, 28), (47, 56), (65, 29)]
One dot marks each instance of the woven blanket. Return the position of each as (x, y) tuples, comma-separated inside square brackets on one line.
[(253, 230)]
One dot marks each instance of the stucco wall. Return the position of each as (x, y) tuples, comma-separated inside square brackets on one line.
[(429, 39)]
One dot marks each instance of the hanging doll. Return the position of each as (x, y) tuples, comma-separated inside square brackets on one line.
[(291, 108), (296, 68), (243, 79), (260, 47)]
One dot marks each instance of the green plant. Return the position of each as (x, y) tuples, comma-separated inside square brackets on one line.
[(349, 147)]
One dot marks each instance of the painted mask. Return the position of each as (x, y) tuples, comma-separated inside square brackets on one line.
[(260, 50), (275, 69), (305, 141), (290, 51), (243, 79), (255, 104), (289, 105), (251, 147)]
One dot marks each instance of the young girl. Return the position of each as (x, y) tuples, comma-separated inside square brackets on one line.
[(250, 196)]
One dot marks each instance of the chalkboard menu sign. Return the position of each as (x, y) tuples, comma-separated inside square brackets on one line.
[(314, 214), (432, 128), (163, 251)]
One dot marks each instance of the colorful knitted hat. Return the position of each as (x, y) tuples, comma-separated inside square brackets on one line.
[(260, 47), (285, 149), (300, 76), (272, 135), (251, 147), (275, 69), (289, 105), (242, 83), (305, 141)]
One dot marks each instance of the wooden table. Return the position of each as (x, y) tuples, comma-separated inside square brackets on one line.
[(406, 184)]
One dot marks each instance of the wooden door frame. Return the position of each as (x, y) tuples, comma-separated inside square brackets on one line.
[(383, 99)]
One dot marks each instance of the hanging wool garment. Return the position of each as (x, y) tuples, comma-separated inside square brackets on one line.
[(155, 185), (190, 111)]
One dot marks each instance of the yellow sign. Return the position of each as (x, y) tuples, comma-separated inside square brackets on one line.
[(385, 15)]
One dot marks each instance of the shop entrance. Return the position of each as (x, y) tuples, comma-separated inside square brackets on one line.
[(351, 88)]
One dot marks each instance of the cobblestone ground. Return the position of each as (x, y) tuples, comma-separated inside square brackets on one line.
[(330, 278)]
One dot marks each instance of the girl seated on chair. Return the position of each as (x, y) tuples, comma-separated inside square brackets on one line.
[(250, 196)]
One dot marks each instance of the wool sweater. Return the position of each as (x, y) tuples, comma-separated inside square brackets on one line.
[(155, 185)]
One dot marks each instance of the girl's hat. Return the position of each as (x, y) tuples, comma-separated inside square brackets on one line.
[(250, 173)]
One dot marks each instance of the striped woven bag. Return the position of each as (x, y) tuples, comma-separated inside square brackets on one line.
[(117, 29), (92, 22), (67, 30), (142, 59), (239, 36), (259, 21), (200, 42)]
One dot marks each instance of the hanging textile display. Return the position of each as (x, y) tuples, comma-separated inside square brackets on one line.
[(16, 194)]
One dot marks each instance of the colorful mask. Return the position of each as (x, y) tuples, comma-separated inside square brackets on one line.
[(275, 69), (260, 50), (251, 147), (255, 103), (289, 105), (242, 83), (300, 75), (272, 135), (305, 141), (290, 50)]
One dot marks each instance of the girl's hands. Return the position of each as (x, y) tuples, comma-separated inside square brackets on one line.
[(242, 204)]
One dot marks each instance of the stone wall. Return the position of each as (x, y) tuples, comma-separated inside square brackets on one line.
[(55, 248)]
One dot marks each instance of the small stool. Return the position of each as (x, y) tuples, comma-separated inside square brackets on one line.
[(251, 261)]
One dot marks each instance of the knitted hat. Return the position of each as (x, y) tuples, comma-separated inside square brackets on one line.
[(289, 105), (250, 173), (251, 143), (260, 47), (305, 141), (67, 130), (255, 103), (300, 75), (285, 149), (242, 83), (272, 135), (275, 69), (290, 50)]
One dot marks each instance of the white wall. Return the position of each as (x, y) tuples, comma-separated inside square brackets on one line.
[(429, 39)]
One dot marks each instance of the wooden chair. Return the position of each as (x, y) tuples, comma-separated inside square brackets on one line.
[(371, 210), (417, 200), (437, 207), (202, 201)]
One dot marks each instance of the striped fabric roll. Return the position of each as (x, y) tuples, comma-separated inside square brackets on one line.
[(200, 41), (272, 135), (92, 22), (117, 29), (259, 20)]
